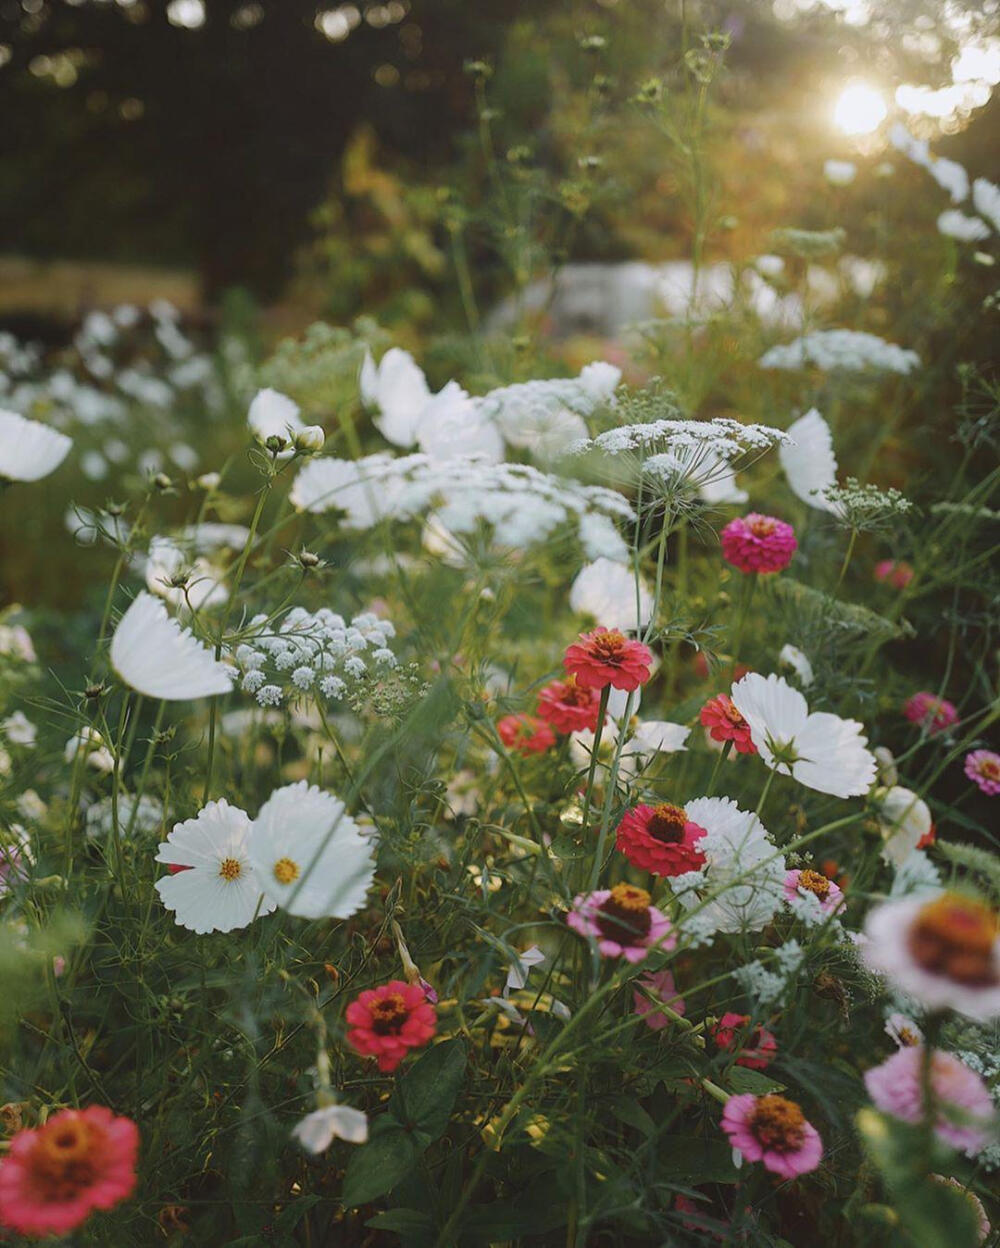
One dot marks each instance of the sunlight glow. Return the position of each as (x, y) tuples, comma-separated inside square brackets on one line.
[(860, 109)]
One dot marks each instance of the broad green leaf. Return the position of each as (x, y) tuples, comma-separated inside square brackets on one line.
[(376, 1167), (742, 1079), (424, 1097)]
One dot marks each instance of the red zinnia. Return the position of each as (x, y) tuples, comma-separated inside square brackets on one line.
[(54, 1176), (931, 712), (895, 572), (525, 734), (725, 723), (607, 657), (388, 1020), (569, 707), (756, 1051), (756, 543), (661, 839)]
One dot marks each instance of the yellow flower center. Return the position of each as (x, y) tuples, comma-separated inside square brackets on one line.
[(954, 936), (814, 883), (624, 917), (230, 868), (286, 871), (778, 1123)]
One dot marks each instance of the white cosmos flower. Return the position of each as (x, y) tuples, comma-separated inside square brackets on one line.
[(29, 450), (904, 820), (955, 224), (790, 656), (220, 891), (986, 197), (943, 950), (820, 750), (19, 730), (274, 415), (809, 460), (89, 742), (317, 1131), (309, 854), (398, 388), (606, 590), (452, 423), (657, 736), (152, 653), (743, 877)]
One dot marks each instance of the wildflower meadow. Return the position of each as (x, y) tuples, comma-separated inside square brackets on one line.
[(464, 784)]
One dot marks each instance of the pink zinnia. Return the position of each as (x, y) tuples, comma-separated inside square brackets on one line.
[(622, 921), (896, 1087), (725, 723), (659, 984), (568, 706), (983, 768), (607, 657), (931, 712), (756, 543), (390, 1020), (756, 1051), (661, 839), (830, 896), (525, 734), (894, 572), (773, 1130), (55, 1176)]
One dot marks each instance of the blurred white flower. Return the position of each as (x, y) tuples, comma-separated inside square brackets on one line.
[(274, 415), (840, 172), (156, 656), (790, 656), (955, 224), (317, 1131), (986, 198), (452, 424), (952, 177), (398, 388), (29, 450), (904, 820), (19, 730), (312, 439), (89, 742), (809, 460), (607, 591), (167, 563)]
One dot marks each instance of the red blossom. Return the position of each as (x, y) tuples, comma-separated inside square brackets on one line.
[(607, 657), (386, 1022), (525, 734), (756, 1051), (725, 723), (756, 543), (661, 839), (568, 706)]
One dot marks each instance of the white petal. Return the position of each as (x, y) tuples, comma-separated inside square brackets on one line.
[(772, 708), (451, 424), (606, 591), (153, 654), (399, 389), (809, 460), (658, 736), (218, 831), (29, 450), (273, 414), (833, 758)]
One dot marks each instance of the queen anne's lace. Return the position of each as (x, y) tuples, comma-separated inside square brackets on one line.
[(846, 350)]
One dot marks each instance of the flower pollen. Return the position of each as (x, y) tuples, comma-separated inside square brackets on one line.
[(286, 871), (230, 869), (954, 936), (778, 1123), (667, 823), (814, 883), (625, 915)]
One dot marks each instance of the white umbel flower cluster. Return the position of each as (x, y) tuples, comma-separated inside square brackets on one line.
[(842, 350), (311, 654), (521, 504)]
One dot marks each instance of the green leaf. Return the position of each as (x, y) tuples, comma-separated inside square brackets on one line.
[(629, 1111), (293, 1213), (743, 1079), (414, 1227), (376, 1167), (424, 1097), (696, 1158)]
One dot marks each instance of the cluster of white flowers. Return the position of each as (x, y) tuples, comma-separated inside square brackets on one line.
[(953, 178), (540, 416), (144, 814), (311, 653), (520, 503), (847, 350), (767, 986)]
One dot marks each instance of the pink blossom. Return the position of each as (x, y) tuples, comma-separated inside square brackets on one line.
[(756, 543), (773, 1130), (896, 1087)]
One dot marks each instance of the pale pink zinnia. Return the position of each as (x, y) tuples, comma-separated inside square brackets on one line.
[(959, 1094), (756, 543), (931, 712), (622, 921), (661, 985), (830, 895), (983, 768), (773, 1130)]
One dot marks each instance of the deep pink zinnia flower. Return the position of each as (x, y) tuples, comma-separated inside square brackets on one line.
[(931, 712), (569, 706), (659, 984), (725, 723), (894, 572), (525, 734), (773, 1130), (388, 1021), (756, 1051), (896, 1087), (661, 839), (829, 894), (756, 543), (607, 657), (622, 921), (983, 768), (55, 1176)]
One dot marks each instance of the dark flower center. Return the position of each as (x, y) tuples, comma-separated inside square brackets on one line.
[(778, 1123), (608, 647), (954, 936), (388, 1014), (62, 1162), (989, 768), (624, 917), (667, 823), (814, 883)]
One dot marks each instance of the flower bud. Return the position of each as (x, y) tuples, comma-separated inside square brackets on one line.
[(310, 439)]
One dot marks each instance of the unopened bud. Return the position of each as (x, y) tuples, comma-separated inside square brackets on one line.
[(310, 439)]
